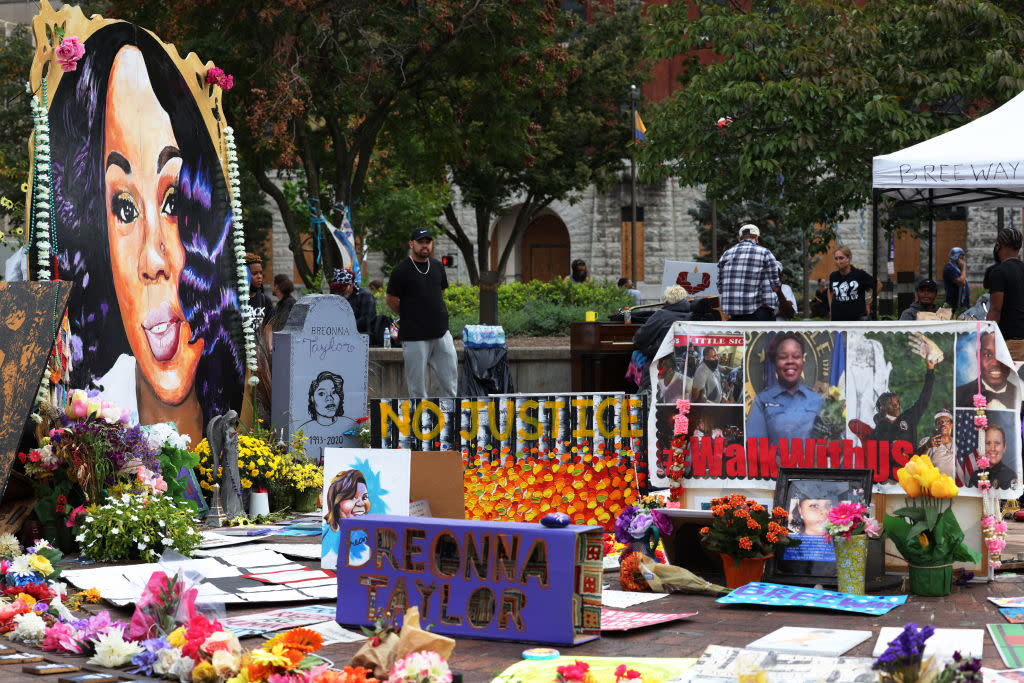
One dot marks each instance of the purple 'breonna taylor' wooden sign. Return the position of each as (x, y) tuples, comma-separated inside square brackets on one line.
[(498, 580)]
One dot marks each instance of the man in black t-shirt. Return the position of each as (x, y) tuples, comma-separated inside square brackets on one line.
[(416, 294), (1006, 290)]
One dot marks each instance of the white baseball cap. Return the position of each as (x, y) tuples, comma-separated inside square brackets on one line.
[(751, 229)]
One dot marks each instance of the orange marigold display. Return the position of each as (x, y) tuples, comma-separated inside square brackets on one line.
[(743, 528), (592, 488)]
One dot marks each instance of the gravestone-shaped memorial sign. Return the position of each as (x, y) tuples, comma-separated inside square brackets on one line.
[(320, 373), (30, 312)]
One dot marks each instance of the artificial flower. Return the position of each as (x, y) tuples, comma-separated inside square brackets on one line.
[(40, 564), (872, 527), (29, 628), (426, 666), (112, 650), (225, 663), (9, 546), (301, 639), (943, 487), (166, 659), (908, 483), (984, 462), (69, 52), (62, 637), (204, 673), (222, 641)]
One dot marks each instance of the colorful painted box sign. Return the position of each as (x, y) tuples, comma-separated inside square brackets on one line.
[(510, 424), (507, 581), (777, 595)]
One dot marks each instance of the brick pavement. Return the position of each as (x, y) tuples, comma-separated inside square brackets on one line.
[(733, 625)]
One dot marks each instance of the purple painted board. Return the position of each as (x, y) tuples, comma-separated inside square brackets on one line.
[(497, 580)]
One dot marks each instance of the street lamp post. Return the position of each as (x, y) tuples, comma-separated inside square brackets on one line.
[(634, 95)]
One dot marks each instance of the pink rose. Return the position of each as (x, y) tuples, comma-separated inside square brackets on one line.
[(872, 528), (69, 52), (70, 49)]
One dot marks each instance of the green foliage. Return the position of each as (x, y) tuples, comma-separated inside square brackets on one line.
[(171, 461), (522, 144), (137, 527), (815, 89), (16, 122), (536, 309)]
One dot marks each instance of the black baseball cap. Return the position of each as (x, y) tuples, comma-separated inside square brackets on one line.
[(928, 283), (420, 234)]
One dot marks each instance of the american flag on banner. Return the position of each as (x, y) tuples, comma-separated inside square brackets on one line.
[(966, 446)]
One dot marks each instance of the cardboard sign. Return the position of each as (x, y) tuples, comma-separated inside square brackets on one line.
[(698, 279), (621, 620), (320, 374), (512, 424), (777, 595), (1009, 641), (503, 581), (1014, 615), (864, 396), (437, 479)]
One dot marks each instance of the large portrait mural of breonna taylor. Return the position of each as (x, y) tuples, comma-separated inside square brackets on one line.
[(142, 220)]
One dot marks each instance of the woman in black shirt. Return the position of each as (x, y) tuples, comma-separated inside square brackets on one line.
[(848, 287)]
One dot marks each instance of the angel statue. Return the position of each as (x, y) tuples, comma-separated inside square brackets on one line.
[(223, 440)]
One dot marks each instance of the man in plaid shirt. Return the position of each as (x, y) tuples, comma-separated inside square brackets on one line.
[(748, 280)]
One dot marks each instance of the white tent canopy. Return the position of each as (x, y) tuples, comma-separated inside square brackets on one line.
[(981, 163)]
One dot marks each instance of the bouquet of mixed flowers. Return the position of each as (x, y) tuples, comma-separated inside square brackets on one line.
[(90, 454), (641, 526), (172, 452), (744, 528), (925, 531), (852, 519), (166, 603), (903, 661)]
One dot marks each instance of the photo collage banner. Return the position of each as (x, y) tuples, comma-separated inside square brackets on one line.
[(869, 395)]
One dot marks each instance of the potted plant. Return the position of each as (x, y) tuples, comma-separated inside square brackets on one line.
[(925, 531), (849, 526), (746, 535)]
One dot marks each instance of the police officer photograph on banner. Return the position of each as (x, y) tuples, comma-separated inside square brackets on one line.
[(714, 369), (794, 386)]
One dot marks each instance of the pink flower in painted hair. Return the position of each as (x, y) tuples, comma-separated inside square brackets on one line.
[(69, 52)]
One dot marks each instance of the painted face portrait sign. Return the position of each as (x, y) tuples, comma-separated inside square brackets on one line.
[(142, 219)]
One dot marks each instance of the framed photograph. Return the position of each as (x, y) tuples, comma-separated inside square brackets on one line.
[(808, 494)]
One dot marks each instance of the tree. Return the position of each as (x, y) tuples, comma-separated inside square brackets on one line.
[(560, 132), (16, 122), (792, 99), (317, 81)]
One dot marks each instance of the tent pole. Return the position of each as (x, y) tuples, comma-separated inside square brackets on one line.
[(931, 234), (874, 242)]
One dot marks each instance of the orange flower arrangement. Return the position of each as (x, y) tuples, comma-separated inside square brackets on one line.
[(284, 653), (630, 577), (590, 488), (744, 528)]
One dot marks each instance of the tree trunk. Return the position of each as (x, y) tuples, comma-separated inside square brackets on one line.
[(458, 235), (287, 217)]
